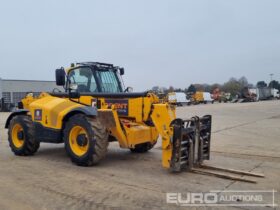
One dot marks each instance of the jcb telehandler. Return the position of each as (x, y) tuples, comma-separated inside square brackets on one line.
[(95, 109)]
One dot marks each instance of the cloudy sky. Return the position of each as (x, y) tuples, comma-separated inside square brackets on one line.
[(159, 42)]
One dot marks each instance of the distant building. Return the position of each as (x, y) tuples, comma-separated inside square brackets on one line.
[(12, 91)]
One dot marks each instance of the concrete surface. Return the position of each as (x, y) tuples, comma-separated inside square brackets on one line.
[(245, 137)]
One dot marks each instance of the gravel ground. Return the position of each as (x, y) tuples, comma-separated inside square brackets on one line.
[(245, 137)]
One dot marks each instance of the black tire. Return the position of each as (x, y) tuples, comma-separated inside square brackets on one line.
[(30, 144), (97, 138), (142, 148)]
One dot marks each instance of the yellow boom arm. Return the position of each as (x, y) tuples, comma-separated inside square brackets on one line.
[(162, 116)]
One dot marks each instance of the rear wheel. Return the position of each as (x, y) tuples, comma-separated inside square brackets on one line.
[(21, 136), (86, 140), (142, 148)]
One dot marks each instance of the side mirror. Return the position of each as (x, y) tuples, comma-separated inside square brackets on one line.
[(73, 87), (60, 77), (121, 71), (128, 90)]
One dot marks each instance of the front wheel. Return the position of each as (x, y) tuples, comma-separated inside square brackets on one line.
[(86, 140), (21, 136)]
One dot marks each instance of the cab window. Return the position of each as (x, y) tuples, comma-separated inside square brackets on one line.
[(109, 81), (84, 79)]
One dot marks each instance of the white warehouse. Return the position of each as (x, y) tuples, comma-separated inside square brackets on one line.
[(12, 91)]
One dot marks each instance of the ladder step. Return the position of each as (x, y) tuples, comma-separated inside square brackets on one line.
[(184, 142), (204, 137), (183, 162), (184, 149)]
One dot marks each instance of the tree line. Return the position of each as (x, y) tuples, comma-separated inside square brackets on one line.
[(233, 86)]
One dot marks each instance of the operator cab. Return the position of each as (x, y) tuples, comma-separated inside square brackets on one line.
[(91, 77)]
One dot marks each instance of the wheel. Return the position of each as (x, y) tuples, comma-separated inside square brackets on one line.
[(21, 136), (86, 140), (142, 148)]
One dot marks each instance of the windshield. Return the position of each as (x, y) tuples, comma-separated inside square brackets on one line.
[(87, 80), (109, 81)]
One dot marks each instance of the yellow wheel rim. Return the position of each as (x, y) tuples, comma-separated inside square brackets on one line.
[(18, 142), (77, 148)]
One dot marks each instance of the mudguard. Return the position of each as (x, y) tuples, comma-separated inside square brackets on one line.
[(87, 110), (17, 112)]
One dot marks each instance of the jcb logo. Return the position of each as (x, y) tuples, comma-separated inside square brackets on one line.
[(120, 105)]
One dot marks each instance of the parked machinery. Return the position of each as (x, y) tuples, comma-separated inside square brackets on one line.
[(95, 109), (178, 99), (201, 97), (247, 95), (220, 96)]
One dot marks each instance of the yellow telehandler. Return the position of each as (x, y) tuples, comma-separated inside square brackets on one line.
[(96, 109)]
